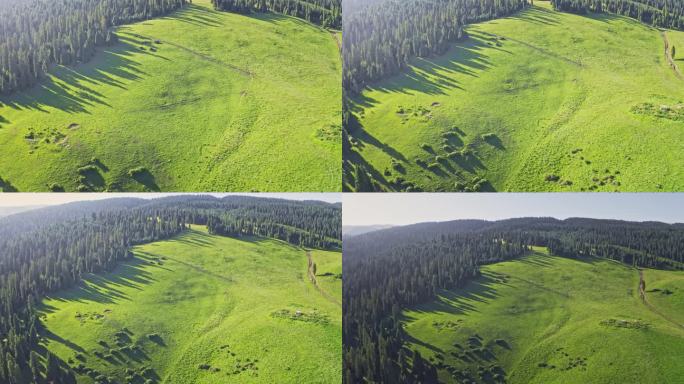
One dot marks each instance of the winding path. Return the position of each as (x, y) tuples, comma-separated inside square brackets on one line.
[(337, 41), (642, 294), (202, 56), (312, 277), (668, 56)]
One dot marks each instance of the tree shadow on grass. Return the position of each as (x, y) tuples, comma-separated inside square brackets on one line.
[(469, 163), (193, 241), (92, 178), (147, 179), (537, 260), (138, 355), (609, 18), (196, 15), (462, 301), (276, 18), (366, 138), (355, 158), (157, 340), (6, 186), (434, 76), (104, 289), (98, 163), (52, 337), (537, 15), (495, 142), (360, 102), (69, 88)]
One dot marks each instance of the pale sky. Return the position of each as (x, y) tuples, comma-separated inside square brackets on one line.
[(30, 199), (410, 208)]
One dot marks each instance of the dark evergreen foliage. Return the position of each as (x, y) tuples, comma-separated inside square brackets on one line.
[(388, 270), (326, 13), (660, 13), (37, 33), (62, 244)]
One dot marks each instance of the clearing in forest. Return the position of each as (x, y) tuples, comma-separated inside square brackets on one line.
[(199, 100), (200, 308), (547, 319), (538, 101)]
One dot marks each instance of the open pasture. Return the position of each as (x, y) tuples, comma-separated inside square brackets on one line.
[(199, 308), (199, 100), (538, 101), (544, 319)]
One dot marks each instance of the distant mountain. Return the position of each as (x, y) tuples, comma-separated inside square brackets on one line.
[(355, 230)]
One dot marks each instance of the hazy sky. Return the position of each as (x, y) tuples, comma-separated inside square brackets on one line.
[(29, 199), (409, 208)]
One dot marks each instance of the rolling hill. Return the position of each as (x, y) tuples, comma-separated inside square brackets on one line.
[(200, 308), (537, 101), (198, 100), (544, 319)]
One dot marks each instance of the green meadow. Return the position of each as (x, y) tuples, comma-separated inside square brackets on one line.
[(665, 290), (199, 100), (544, 319), (538, 101), (200, 308)]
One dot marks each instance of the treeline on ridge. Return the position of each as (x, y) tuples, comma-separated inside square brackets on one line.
[(659, 13), (326, 13), (37, 33), (380, 39), (65, 246), (391, 269)]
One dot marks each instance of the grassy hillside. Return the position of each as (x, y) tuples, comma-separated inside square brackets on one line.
[(201, 309), (664, 290), (328, 273), (539, 101), (544, 319), (222, 102)]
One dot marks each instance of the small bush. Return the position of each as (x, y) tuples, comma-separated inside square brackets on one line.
[(54, 187), (204, 366)]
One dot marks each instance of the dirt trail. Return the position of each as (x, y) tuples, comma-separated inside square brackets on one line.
[(642, 294), (668, 56), (543, 51), (337, 41), (202, 56), (312, 277), (202, 270)]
